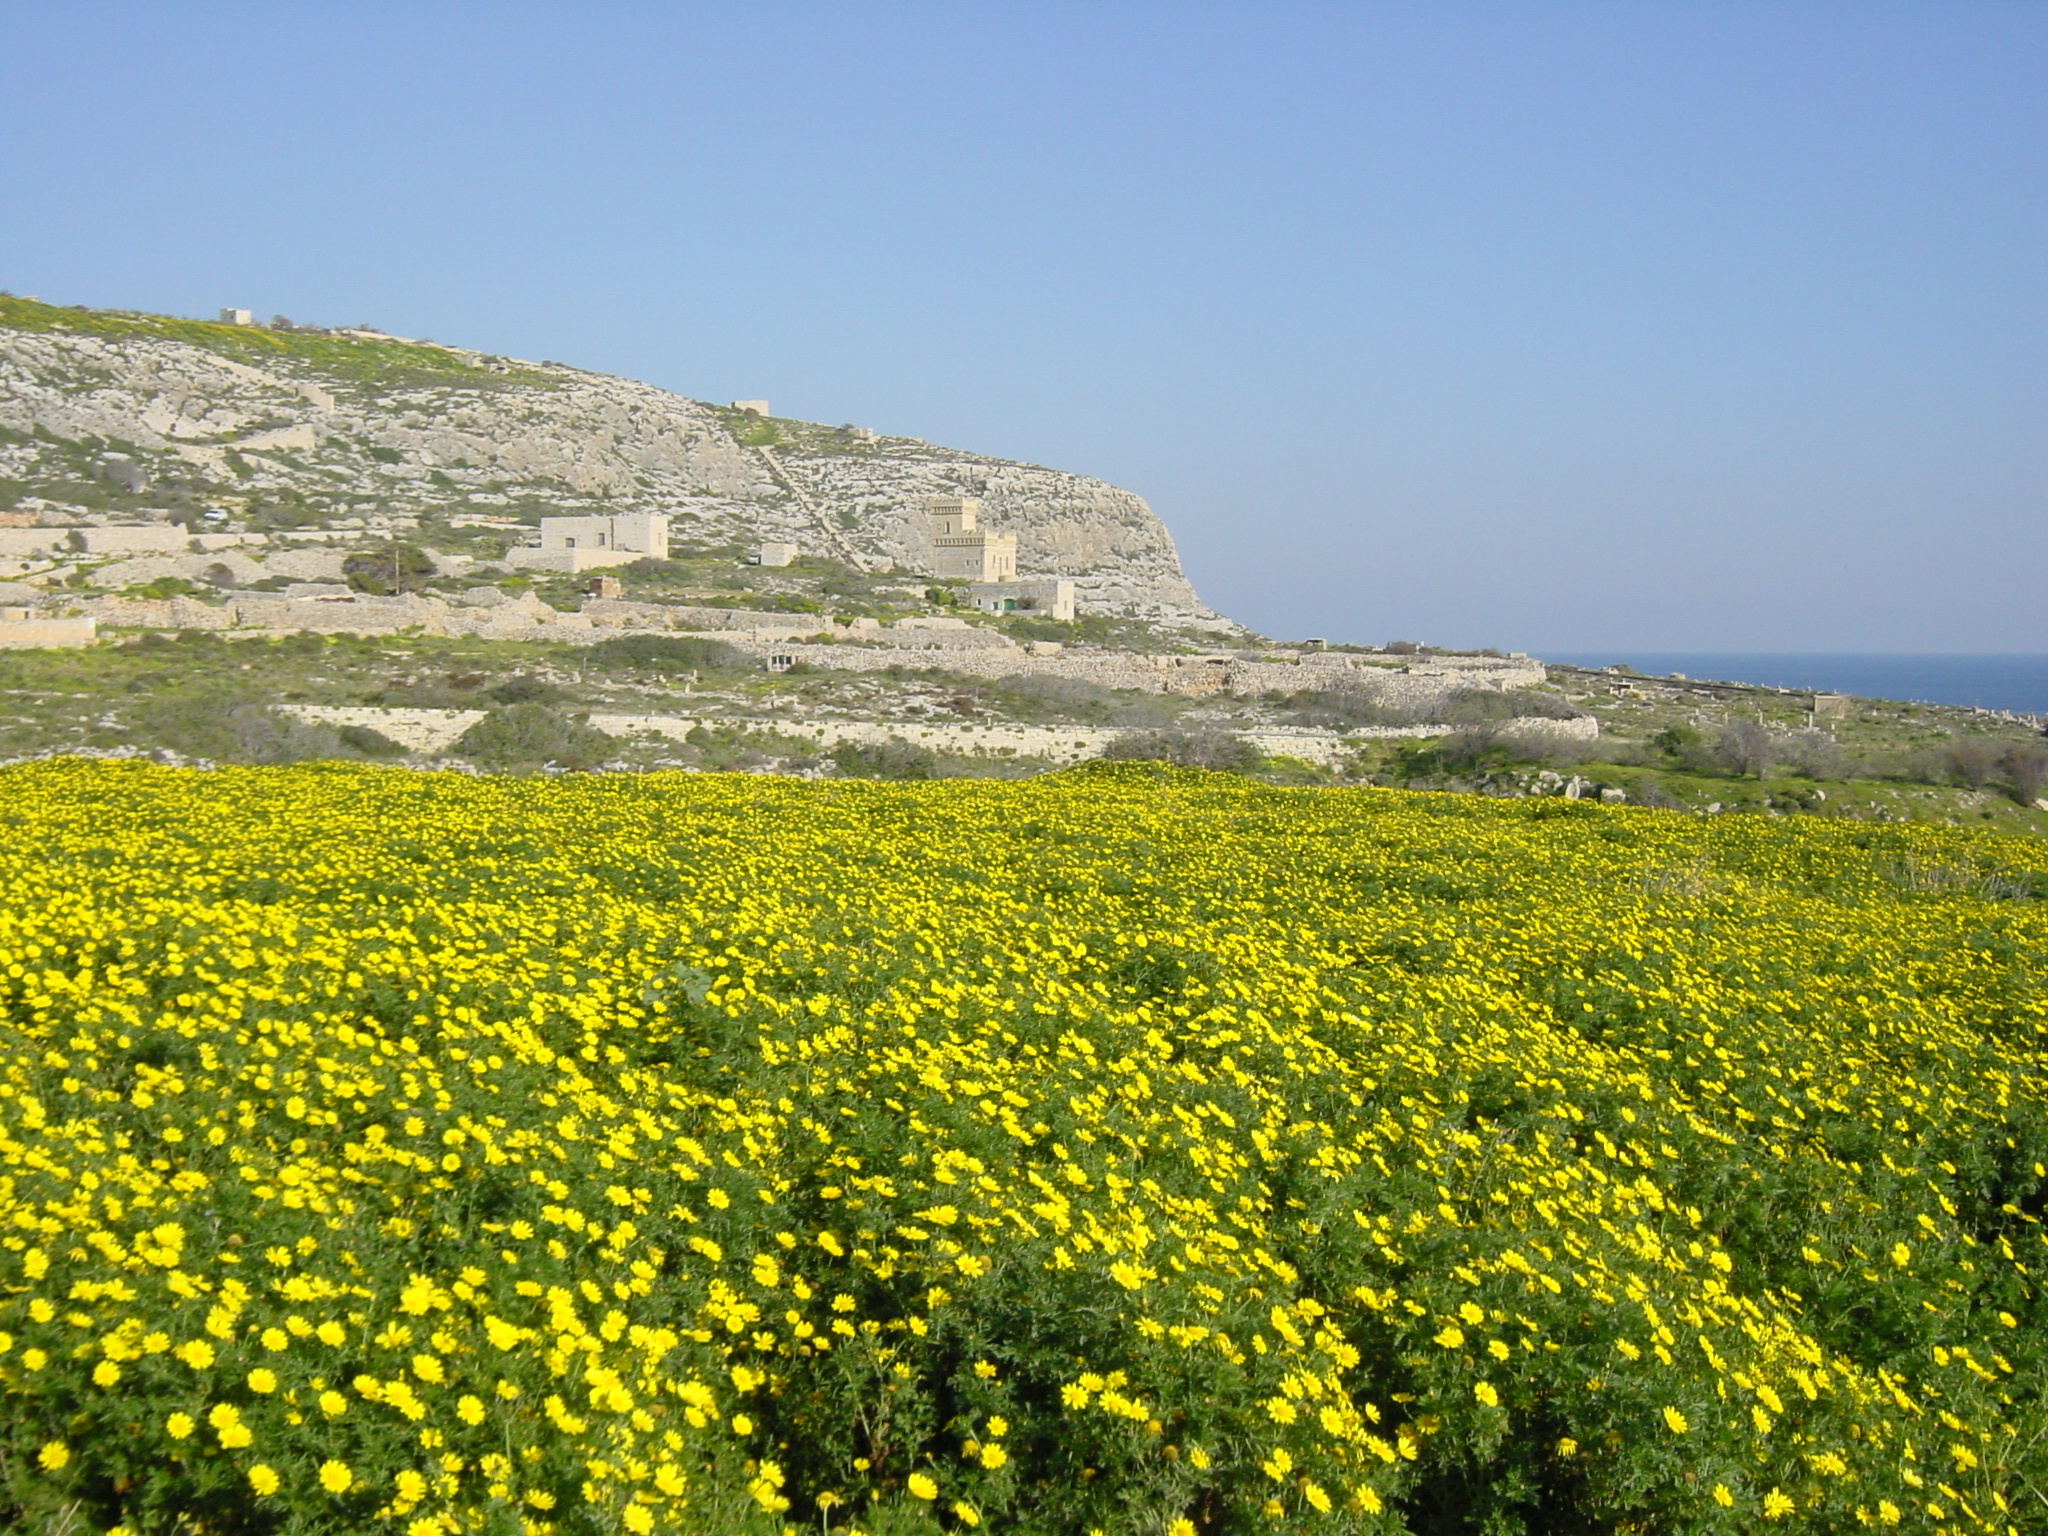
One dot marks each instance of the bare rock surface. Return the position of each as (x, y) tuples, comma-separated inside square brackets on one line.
[(348, 423)]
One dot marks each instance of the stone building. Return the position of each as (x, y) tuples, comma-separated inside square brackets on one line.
[(961, 547), (575, 544), (1046, 597), (775, 553), (751, 407), (237, 317)]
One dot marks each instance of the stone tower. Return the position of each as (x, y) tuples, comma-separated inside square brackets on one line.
[(961, 547)]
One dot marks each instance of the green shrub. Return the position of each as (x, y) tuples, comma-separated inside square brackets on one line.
[(533, 736), (664, 653), (1216, 750), (891, 759)]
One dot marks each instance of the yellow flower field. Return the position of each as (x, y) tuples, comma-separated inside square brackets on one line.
[(1121, 1151)]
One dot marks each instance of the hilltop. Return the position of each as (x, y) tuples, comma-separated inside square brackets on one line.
[(295, 428)]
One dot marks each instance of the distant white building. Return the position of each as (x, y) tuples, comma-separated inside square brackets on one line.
[(575, 544), (775, 554), (1046, 597), (237, 317), (962, 547), (751, 407)]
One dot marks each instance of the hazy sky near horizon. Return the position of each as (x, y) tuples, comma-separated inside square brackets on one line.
[(1705, 326)]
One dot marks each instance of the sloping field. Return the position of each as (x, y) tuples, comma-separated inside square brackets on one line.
[(1119, 1150)]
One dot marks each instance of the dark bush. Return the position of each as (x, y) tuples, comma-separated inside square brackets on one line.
[(1331, 710), (1676, 739), (372, 744), (891, 759), (525, 690), (1746, 749), (1216, 750), (396, 568), (1814, 753), (228, 729), (1650, 792), (1971, 760), (2026, 769), (1478, 705), (665, 653), (532, 736)]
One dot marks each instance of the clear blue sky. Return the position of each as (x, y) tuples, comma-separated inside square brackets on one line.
[(1546, 326)]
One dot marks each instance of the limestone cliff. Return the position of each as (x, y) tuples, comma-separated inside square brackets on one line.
[(330, 425)]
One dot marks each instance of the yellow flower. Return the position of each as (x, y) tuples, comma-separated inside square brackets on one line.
[(1776, 1505), (1451, 1337), (333, 1404), (638, 1520), (261, 1380), (105, 1374), (335, 1476), (264, 1479), (54, 1456), (1313, 1492), (1485, 1393), (922, 1487), (1722, 1496), (179, 1426), (966, 1513), (993, 1456), (1675, 1421), (742, 1425)]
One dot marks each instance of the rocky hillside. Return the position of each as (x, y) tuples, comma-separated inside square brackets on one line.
[(105, 410)]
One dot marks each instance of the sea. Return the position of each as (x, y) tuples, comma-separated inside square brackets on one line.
[(2016, 683)]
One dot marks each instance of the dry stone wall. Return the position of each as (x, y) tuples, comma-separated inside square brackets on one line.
[(432, 731)]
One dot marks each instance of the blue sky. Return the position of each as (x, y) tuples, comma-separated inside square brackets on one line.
[(1545, 326)]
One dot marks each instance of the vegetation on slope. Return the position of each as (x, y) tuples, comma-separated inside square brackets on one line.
[(391, 362), (1129, 1150)]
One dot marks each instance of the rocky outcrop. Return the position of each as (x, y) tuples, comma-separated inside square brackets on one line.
[(334, 426)]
